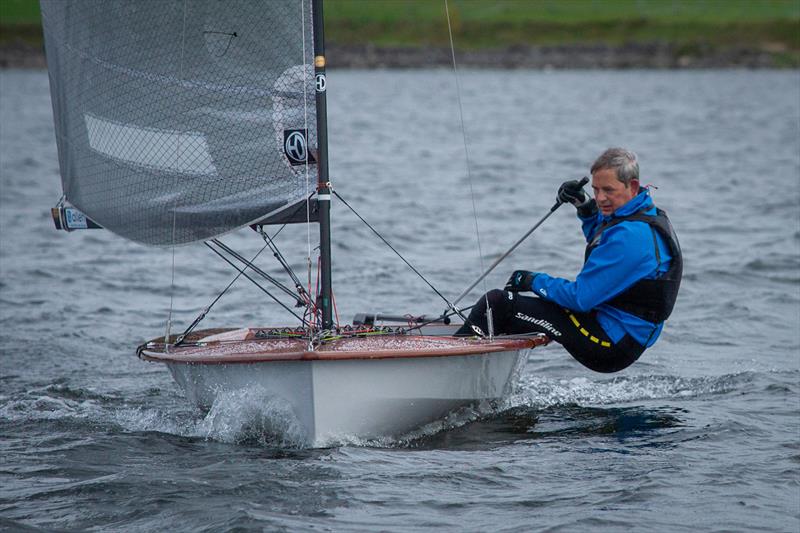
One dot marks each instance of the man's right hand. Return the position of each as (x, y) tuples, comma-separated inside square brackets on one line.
[(571, 191)]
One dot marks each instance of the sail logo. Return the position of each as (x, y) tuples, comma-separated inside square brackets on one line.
[(321, 83), (296, 148), (75, 219)]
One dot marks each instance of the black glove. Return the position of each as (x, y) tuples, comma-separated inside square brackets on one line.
[(571, 192), (521, 280)]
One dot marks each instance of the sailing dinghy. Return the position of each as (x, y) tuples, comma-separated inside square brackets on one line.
[(178, 122)]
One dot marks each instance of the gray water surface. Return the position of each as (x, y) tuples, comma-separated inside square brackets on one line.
[(703, 433)]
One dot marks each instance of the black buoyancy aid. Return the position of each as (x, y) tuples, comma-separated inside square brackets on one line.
[(648, 299)]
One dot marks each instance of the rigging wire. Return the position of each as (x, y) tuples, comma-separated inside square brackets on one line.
[(174, 203), (246, 275), (417, 272), (276, 253), (205, 311), (308, 151), (171, 286), (301, 300), (467, 160)]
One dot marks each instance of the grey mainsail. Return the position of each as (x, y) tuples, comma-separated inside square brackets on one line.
[(177, 121)]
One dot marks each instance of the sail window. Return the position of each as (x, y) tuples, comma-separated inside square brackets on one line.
[(171, 151)]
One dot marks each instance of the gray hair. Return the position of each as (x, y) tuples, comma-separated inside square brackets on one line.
[(622, 161)]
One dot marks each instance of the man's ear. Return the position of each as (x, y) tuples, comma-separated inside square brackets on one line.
[(635, 186)]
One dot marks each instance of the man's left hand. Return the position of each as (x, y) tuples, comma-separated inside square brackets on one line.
[(520, 281)]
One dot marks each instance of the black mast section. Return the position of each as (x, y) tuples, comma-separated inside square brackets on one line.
[(323, 184)]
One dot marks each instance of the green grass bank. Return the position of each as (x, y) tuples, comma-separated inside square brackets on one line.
[(681, 28)]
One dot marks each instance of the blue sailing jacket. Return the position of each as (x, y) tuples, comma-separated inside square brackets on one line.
[(625, 254)]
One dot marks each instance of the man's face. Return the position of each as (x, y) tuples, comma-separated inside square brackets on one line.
[(610, 193)]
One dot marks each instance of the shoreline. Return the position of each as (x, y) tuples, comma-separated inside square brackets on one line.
[(656, 56)]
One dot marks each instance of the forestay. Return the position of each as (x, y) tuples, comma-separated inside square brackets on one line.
[(177, 121)]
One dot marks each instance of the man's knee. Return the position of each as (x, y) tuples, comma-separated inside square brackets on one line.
[(606, 365), (496, 297), (607, 361), (500, 304)]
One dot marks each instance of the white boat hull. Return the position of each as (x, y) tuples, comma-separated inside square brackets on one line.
[(365, 398), (378, 388)]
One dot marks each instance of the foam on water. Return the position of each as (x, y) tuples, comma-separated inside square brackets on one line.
[(542, 391), (252, 415), (42, 407), (248, 416), (52, 402)]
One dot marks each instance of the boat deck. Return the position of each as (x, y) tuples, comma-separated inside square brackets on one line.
[(246, 346)]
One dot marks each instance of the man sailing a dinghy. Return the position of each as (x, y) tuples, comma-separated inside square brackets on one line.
[(616, 307)]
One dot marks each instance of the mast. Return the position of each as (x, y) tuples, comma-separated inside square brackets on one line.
[(323, 185)]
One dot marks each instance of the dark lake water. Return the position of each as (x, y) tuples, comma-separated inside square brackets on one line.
[(703, 433)]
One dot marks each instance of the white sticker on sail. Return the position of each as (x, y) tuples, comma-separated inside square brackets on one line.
[(172, 151)]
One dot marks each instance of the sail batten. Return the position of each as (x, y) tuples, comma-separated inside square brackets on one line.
[(179, 121)]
